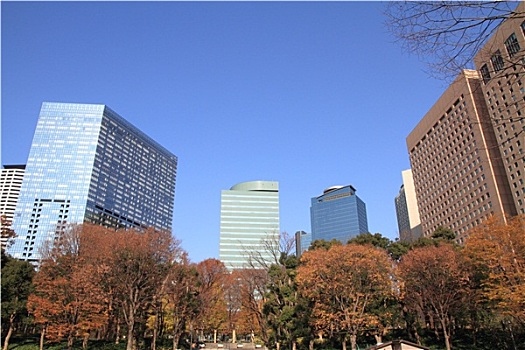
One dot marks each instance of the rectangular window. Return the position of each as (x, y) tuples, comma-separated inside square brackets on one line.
[(485, 73), (497, 61), (512, 45)]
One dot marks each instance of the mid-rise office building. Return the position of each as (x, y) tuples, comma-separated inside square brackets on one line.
[(458, 171), (11, 177), (249, 227), (407, 211), (338, 214), (500, 63), (88, 164), (302, 242)]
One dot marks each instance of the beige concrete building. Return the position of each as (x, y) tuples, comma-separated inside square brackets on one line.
[(501, 64), (458, 172), (407, 212)]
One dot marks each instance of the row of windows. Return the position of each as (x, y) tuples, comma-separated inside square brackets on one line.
[(512, 46)]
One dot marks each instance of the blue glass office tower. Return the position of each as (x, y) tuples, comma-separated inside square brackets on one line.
[(338, 214), (88, 164)]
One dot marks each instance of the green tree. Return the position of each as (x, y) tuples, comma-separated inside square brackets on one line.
[(323, 244), (17, 277), (282, 301), (444, 234)]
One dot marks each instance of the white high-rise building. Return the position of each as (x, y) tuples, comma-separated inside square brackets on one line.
[(11, 177), (249, 224)]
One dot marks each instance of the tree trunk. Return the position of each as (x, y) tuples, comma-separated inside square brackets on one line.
[(42, 336), (353, 341), (445, 333), (130, 336), (379, 338), (117, 334), (175, 341), (70, 341), (85, 341), (294, 345), (311, 345), (6, 340), (9, 332), (214, 336)]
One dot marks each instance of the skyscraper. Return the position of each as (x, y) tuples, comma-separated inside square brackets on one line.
[(11, 177), (407, 212), (249, 223), (459, 175), (500, 63), (338, 214), (88, 164)]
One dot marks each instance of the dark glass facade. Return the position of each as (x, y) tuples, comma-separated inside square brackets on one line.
[(88, 164), (338, 214)]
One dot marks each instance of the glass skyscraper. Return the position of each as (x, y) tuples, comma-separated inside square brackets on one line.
[(249, 223), (88, 164), (338, 214)]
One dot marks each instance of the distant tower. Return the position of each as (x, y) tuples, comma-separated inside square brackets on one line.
[(338, 214), (249, 223), (406, 209), (11, 177), (88, 164), (302, 242)]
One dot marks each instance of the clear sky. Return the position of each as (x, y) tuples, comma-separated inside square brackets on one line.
[(309, 94)]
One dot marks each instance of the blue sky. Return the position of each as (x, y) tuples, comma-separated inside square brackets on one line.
[(309, 94)]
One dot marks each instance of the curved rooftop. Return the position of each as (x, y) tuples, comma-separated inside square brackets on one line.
[(268, 186)]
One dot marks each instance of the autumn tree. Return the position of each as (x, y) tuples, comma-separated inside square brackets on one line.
[(6, 232), (496, 251), (67, 301), (139, 261), (212, 276), (181, 302), (435, 284), (251, 287), (341, 283), (17, 285)]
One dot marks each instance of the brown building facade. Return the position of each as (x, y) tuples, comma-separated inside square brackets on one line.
[(502, 65), (458, 172)]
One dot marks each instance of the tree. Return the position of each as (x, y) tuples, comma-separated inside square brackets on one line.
[(180, 291), (212, 275), (342, 282), (447, 34), (323, 244), (443, 233), (282, 308), (17, 285), (435, 281), (496, 250), (140, 261), (67, 301), (6, 232)]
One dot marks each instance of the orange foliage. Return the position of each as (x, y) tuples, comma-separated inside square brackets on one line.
[(435, 283), (341, 282), (497, 250)]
